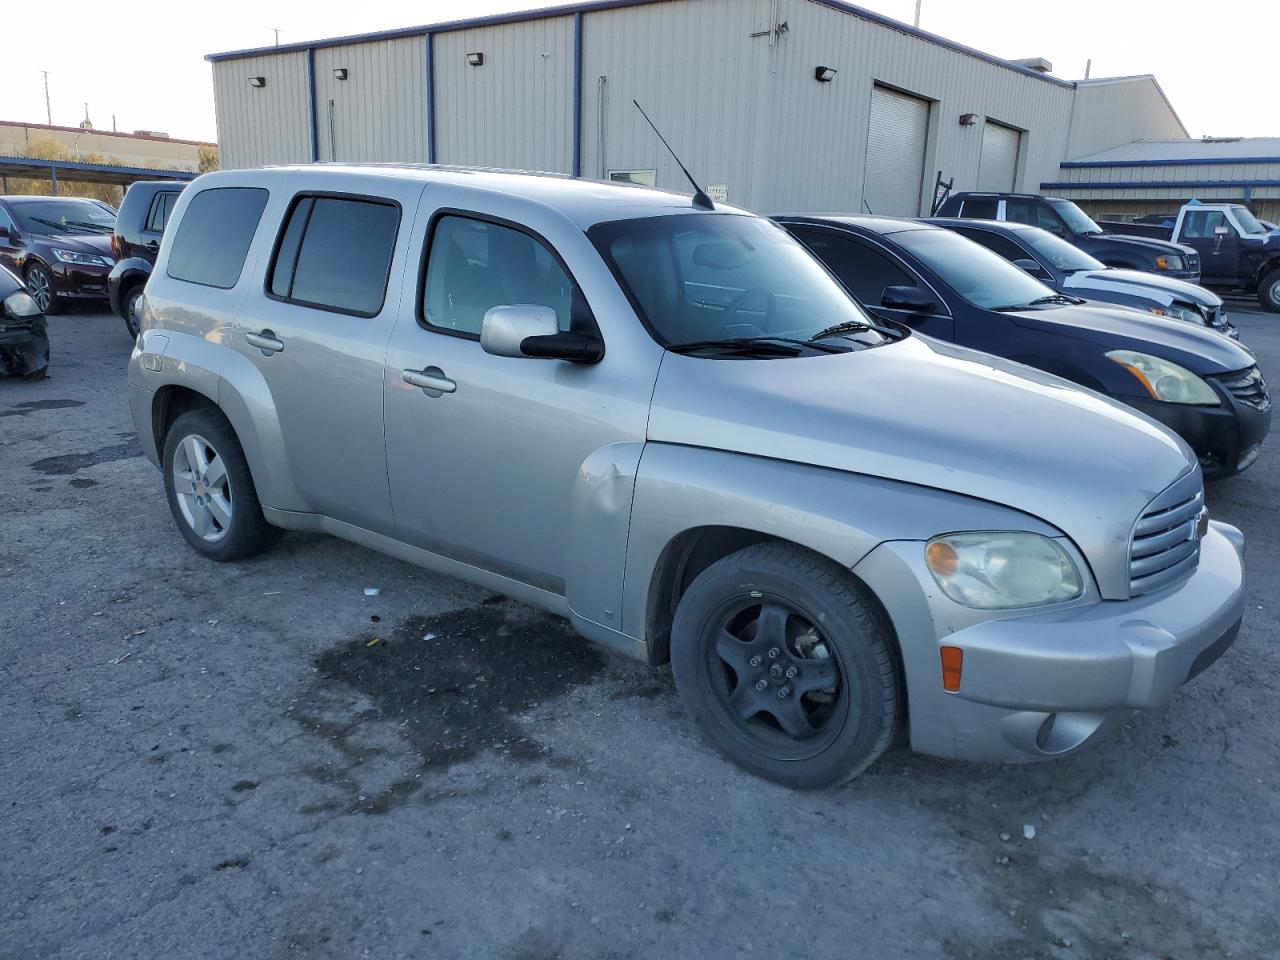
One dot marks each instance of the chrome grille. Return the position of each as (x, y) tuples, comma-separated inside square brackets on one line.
[(1165, 545), (1248, 387)]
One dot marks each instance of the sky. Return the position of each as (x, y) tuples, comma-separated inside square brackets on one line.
[(149, 73)]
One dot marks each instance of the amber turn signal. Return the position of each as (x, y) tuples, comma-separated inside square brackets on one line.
[(941, 558), (952, 662)]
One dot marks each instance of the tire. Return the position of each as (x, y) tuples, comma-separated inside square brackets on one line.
[(40, 286), (813, 735), (132, 305), (216, 508), (1269, 292), (36, 374)]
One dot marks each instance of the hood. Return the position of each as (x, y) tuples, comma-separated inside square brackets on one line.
[(1199, 349), (932, 414), (81, 242), (1163, 290), (1148, 243)]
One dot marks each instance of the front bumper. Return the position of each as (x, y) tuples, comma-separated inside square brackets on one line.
[(24, 349), (1043, 685), (76, 281), (1226, 438)]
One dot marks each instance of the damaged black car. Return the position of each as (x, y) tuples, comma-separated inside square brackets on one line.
[(24, 339)]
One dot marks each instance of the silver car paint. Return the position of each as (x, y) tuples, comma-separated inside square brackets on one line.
[(587, 475)]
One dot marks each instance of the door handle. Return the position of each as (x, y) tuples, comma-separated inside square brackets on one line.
[(432, 380), (265, 341), (153, 246)]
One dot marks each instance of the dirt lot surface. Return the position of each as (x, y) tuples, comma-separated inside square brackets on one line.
[(205, 760)]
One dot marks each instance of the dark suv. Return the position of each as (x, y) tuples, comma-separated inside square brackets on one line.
[(139, 227), (1066, 220), (60, 247)]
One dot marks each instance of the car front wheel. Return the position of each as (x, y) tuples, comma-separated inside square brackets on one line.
[(786, 667), (210, 490), (40, 286), (1269, 292)]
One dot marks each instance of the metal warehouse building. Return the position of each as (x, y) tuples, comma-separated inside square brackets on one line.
[(774, 104), (1158, 176)]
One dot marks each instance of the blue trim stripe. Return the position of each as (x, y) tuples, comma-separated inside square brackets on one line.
[(431, 98), (1157, 184), (152, 173), (1188, 162), (577, 94), (581, 8), (311, 100)]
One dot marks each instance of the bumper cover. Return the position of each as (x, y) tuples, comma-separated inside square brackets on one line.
[(1043, 685), (24, 350), (1225, 438)]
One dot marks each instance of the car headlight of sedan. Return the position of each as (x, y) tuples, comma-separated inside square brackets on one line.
[(1169, 261), (85, 259), (1173, 312), (1165, 381), (19, 306), (1002, 570)]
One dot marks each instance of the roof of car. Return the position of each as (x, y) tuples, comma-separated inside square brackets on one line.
[(586, 202), (872, 224), (998, 226), (32, 198)]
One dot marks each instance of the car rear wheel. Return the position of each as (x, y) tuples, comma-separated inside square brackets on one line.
[(1269, 292), (40, 286), (210, 490), (785, 667), (133, 310)]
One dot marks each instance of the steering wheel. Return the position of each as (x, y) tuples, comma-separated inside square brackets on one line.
[(738, 302)]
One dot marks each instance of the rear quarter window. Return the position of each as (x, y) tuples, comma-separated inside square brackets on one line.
[(214, 235)]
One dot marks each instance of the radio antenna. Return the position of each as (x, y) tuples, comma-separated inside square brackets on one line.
[(700, 199)]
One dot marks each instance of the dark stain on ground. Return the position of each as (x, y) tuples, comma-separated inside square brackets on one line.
[(450, 696), (237, 863), (73, 462), (81, 483), (240, 786), (31, 406)]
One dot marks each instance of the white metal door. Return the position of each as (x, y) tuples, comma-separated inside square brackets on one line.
[(998, 166), (896, 139)]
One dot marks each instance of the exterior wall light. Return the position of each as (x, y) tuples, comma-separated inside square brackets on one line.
[(968, 119), (257, 81), (824, 74), (340, 73), (475, 59)]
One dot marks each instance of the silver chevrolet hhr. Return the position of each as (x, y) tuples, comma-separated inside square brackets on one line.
[(669, 424)]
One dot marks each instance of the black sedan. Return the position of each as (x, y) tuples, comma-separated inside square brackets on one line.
[(24, 341), (1202, 385)]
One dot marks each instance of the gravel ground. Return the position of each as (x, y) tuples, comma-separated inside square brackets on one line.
[(206, 760)]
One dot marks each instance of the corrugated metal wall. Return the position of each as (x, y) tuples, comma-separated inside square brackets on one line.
[(261, 125), (380, 110), (1162, 173), (1110, 112), (517, 109)]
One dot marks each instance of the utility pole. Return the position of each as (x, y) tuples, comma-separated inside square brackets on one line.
[(276, 31), (48, 110), (1088, 67), (917, 21)]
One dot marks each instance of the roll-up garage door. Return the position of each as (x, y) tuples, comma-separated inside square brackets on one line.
[(998, 166), (896, 138)]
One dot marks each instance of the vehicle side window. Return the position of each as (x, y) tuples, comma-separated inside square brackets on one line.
[(1021, 211), (334, 253), (864, 272), (996, 244), (214, 235), (1203, 224), (979, 208), (1046, 219), (161, 206), (475, 265), (6, 222)]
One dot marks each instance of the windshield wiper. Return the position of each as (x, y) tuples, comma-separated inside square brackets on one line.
[(1056, 298), (769, 346), (853, 326), (89, 225)]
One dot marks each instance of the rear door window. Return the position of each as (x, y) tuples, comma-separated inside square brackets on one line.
[(161, 207), (214, 235), (979, 208), (334, 253)]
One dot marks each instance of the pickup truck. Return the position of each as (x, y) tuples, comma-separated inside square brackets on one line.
[(1237, 251), (1064, 219)]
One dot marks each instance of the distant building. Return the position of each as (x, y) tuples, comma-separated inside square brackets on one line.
[(144, 148)]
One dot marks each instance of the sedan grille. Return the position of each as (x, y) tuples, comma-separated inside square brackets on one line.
[(1248, 387), (1165, 545)]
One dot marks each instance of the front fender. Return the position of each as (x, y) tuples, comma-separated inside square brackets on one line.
[(123, 275), (843, 516)]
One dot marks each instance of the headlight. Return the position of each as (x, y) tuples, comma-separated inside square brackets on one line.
[(1179, 313), (20, 306), (1164, 380), (1169, 262), (74, 256), (1001, 571)]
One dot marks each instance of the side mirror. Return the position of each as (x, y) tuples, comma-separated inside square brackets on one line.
[(1030, 266), (1222, 231), (531, 330), (913, 299)]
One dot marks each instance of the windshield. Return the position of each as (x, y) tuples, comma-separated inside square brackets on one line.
[(709, 276), (1076, 218), (983, 278), (64, 216), (1248, 222), (1063, 255)]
